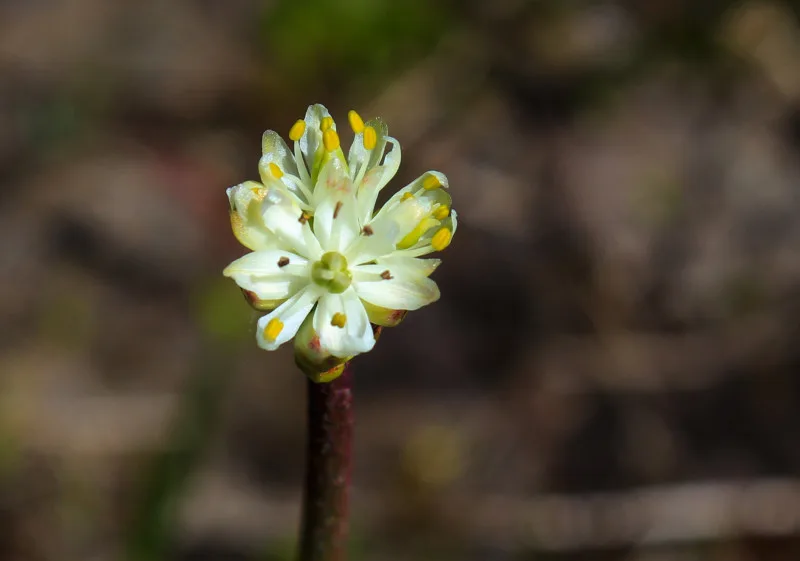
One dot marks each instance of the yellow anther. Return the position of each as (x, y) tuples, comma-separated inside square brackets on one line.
[(273, 329), (326, 123), (356, 122), (431, 182), (297, 130), (275, 170), (407, 195), (411, 239), (370, 138), (338, 320), (330, 140), (441, 212), (441, 239)]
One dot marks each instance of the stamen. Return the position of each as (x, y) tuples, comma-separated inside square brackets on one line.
[(273, 329), (275, 170), (304, 217), (367, 230), (326, 123), (416, 234), (370, 138), (297, 130), (441, 213), (407, 195), (356, 122), (337, 208), (338, 320), (386, 275), (301, 163), (330, 140), (283, 261), (431, 182), (299, 184), (441, 239)]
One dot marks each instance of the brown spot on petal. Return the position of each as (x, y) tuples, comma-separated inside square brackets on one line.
[(283, 261), (386, 275)]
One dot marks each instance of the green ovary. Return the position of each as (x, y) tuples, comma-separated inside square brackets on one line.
[(331, 272)]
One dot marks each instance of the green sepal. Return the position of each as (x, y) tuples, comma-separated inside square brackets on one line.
[(315, 362)]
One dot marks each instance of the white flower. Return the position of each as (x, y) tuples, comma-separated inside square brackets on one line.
[(319, 250)]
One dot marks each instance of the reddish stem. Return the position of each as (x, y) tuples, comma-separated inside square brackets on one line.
[(328, 466)]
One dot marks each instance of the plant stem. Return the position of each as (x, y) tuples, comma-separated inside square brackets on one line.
[(329, 463)]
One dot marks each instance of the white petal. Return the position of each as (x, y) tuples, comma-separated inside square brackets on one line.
[(293, 193), (398, 293), (401, 265), (360, 156), (274, 150), (271, 274), (415, 188), (375, 180), (335, 223), (291, 314), (356, 335), (311, 141), (246, 204), (403, 217), (284, 221), (365, 248), (334, 180)]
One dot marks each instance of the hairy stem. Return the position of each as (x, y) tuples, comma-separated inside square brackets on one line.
[(329, 462)]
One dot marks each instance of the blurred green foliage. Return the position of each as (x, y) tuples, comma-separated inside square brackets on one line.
[(327, 38), (221, 311)]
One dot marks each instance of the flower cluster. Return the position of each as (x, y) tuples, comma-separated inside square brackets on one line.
[(324, 263)]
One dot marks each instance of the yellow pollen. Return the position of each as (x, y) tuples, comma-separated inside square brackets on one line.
[(370, 138), (326, 123), (273, 329), (407, 195), (441, 213), (275, 170), (356, 122), (297, 130), (330, 140), (441, 239), (431, 182), (338, 320)]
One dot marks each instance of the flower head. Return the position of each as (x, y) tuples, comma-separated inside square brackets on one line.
[(322, 258)]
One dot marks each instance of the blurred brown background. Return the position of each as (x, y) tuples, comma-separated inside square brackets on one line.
[(609, 375)]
